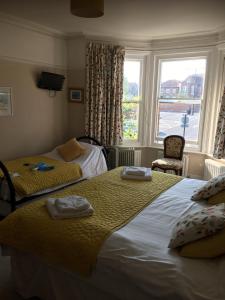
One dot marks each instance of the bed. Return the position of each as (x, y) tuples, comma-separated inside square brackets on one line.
[(92, 163), (134, 262)]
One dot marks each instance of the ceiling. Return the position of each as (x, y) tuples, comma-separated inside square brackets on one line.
[(125, 19)]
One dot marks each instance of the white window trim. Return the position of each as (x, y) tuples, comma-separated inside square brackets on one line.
[(216, 79), (142, 56), (153, 103)]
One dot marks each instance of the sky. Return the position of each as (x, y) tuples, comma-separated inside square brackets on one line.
[(181, 69), (177, 69), (132, 71)]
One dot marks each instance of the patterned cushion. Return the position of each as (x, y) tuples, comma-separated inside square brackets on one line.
[(168, 163), (173, 147), (198, 225), (212, 187)]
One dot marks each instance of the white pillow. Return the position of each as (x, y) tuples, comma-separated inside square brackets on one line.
[(212, 187), (198, 225)]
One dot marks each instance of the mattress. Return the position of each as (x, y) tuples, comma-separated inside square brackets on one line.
[(134, 262)]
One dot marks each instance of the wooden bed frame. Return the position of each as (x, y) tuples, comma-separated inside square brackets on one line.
[(16, 203)]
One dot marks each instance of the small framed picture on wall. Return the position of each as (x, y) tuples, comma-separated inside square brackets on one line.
[(6, 101), (76, 95)]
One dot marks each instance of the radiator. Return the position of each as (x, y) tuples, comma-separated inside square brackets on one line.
[(213, 168), (123, 157), (185, 163), (129, 157)]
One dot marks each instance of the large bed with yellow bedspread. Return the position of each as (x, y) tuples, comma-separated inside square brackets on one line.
[(121, 252)]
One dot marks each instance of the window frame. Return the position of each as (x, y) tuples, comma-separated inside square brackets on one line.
[(142, 57), (158, 59)]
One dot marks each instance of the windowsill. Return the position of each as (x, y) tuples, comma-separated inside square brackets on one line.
[(130, 144), (221, 160), (186, 149), (160, 147)]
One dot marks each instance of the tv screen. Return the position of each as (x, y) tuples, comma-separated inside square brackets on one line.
[(51, 81)]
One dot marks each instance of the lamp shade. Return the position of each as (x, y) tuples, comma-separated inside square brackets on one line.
[(87, 8)]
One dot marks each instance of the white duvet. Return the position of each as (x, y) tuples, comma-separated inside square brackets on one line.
[(134, 262)]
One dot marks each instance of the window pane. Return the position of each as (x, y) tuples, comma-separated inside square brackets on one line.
[(181, 89), (131, 81), (130, 120), (182, 79), (131, 97), (180, 118)]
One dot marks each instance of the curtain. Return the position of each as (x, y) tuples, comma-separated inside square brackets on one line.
[(219, 146), (104, 92)]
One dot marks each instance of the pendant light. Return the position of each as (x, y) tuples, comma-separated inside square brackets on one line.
[(87, 8)]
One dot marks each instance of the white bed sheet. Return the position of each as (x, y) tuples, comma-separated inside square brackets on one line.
[(92, 162), (134, 263)]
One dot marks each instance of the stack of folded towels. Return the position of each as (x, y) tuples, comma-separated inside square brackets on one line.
[(69, 207), (137, 173)]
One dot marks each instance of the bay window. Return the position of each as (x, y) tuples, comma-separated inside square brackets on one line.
[(164, 95)]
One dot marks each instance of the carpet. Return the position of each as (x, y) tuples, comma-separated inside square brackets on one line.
[(7, 291)]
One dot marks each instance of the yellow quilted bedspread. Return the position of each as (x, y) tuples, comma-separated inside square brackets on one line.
[(32, 181), (74, 243)]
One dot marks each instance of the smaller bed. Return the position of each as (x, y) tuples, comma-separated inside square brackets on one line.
[(92, 163)]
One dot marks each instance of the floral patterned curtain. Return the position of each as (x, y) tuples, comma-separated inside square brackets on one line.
[(104, 92), (219, 146)]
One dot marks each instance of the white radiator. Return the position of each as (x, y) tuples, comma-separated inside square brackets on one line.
[(129, 157), (213, 168), (123, 157), (185, 163)]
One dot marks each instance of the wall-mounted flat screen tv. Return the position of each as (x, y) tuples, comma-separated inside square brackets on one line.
[(51, 81)]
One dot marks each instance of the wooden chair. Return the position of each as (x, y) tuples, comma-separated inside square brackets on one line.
[(173, 154)]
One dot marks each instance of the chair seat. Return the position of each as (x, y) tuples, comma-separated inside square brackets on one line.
[(168, 164)]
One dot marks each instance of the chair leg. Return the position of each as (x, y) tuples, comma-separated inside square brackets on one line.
[(176, 172)]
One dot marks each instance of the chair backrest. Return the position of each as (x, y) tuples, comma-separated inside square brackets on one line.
[(174, 146)]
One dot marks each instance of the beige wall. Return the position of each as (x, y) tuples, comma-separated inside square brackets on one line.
[(76, 79), (24, 44), (39, 122)]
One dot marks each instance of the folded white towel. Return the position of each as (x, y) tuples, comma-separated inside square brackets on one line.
[(147, 176), (55, 214), (137, 171), (71, 204)]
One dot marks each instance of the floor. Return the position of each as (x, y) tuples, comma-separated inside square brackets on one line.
[(6, 287)]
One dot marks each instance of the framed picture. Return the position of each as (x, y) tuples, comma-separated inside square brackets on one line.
[(76, 95), (5, 101)]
